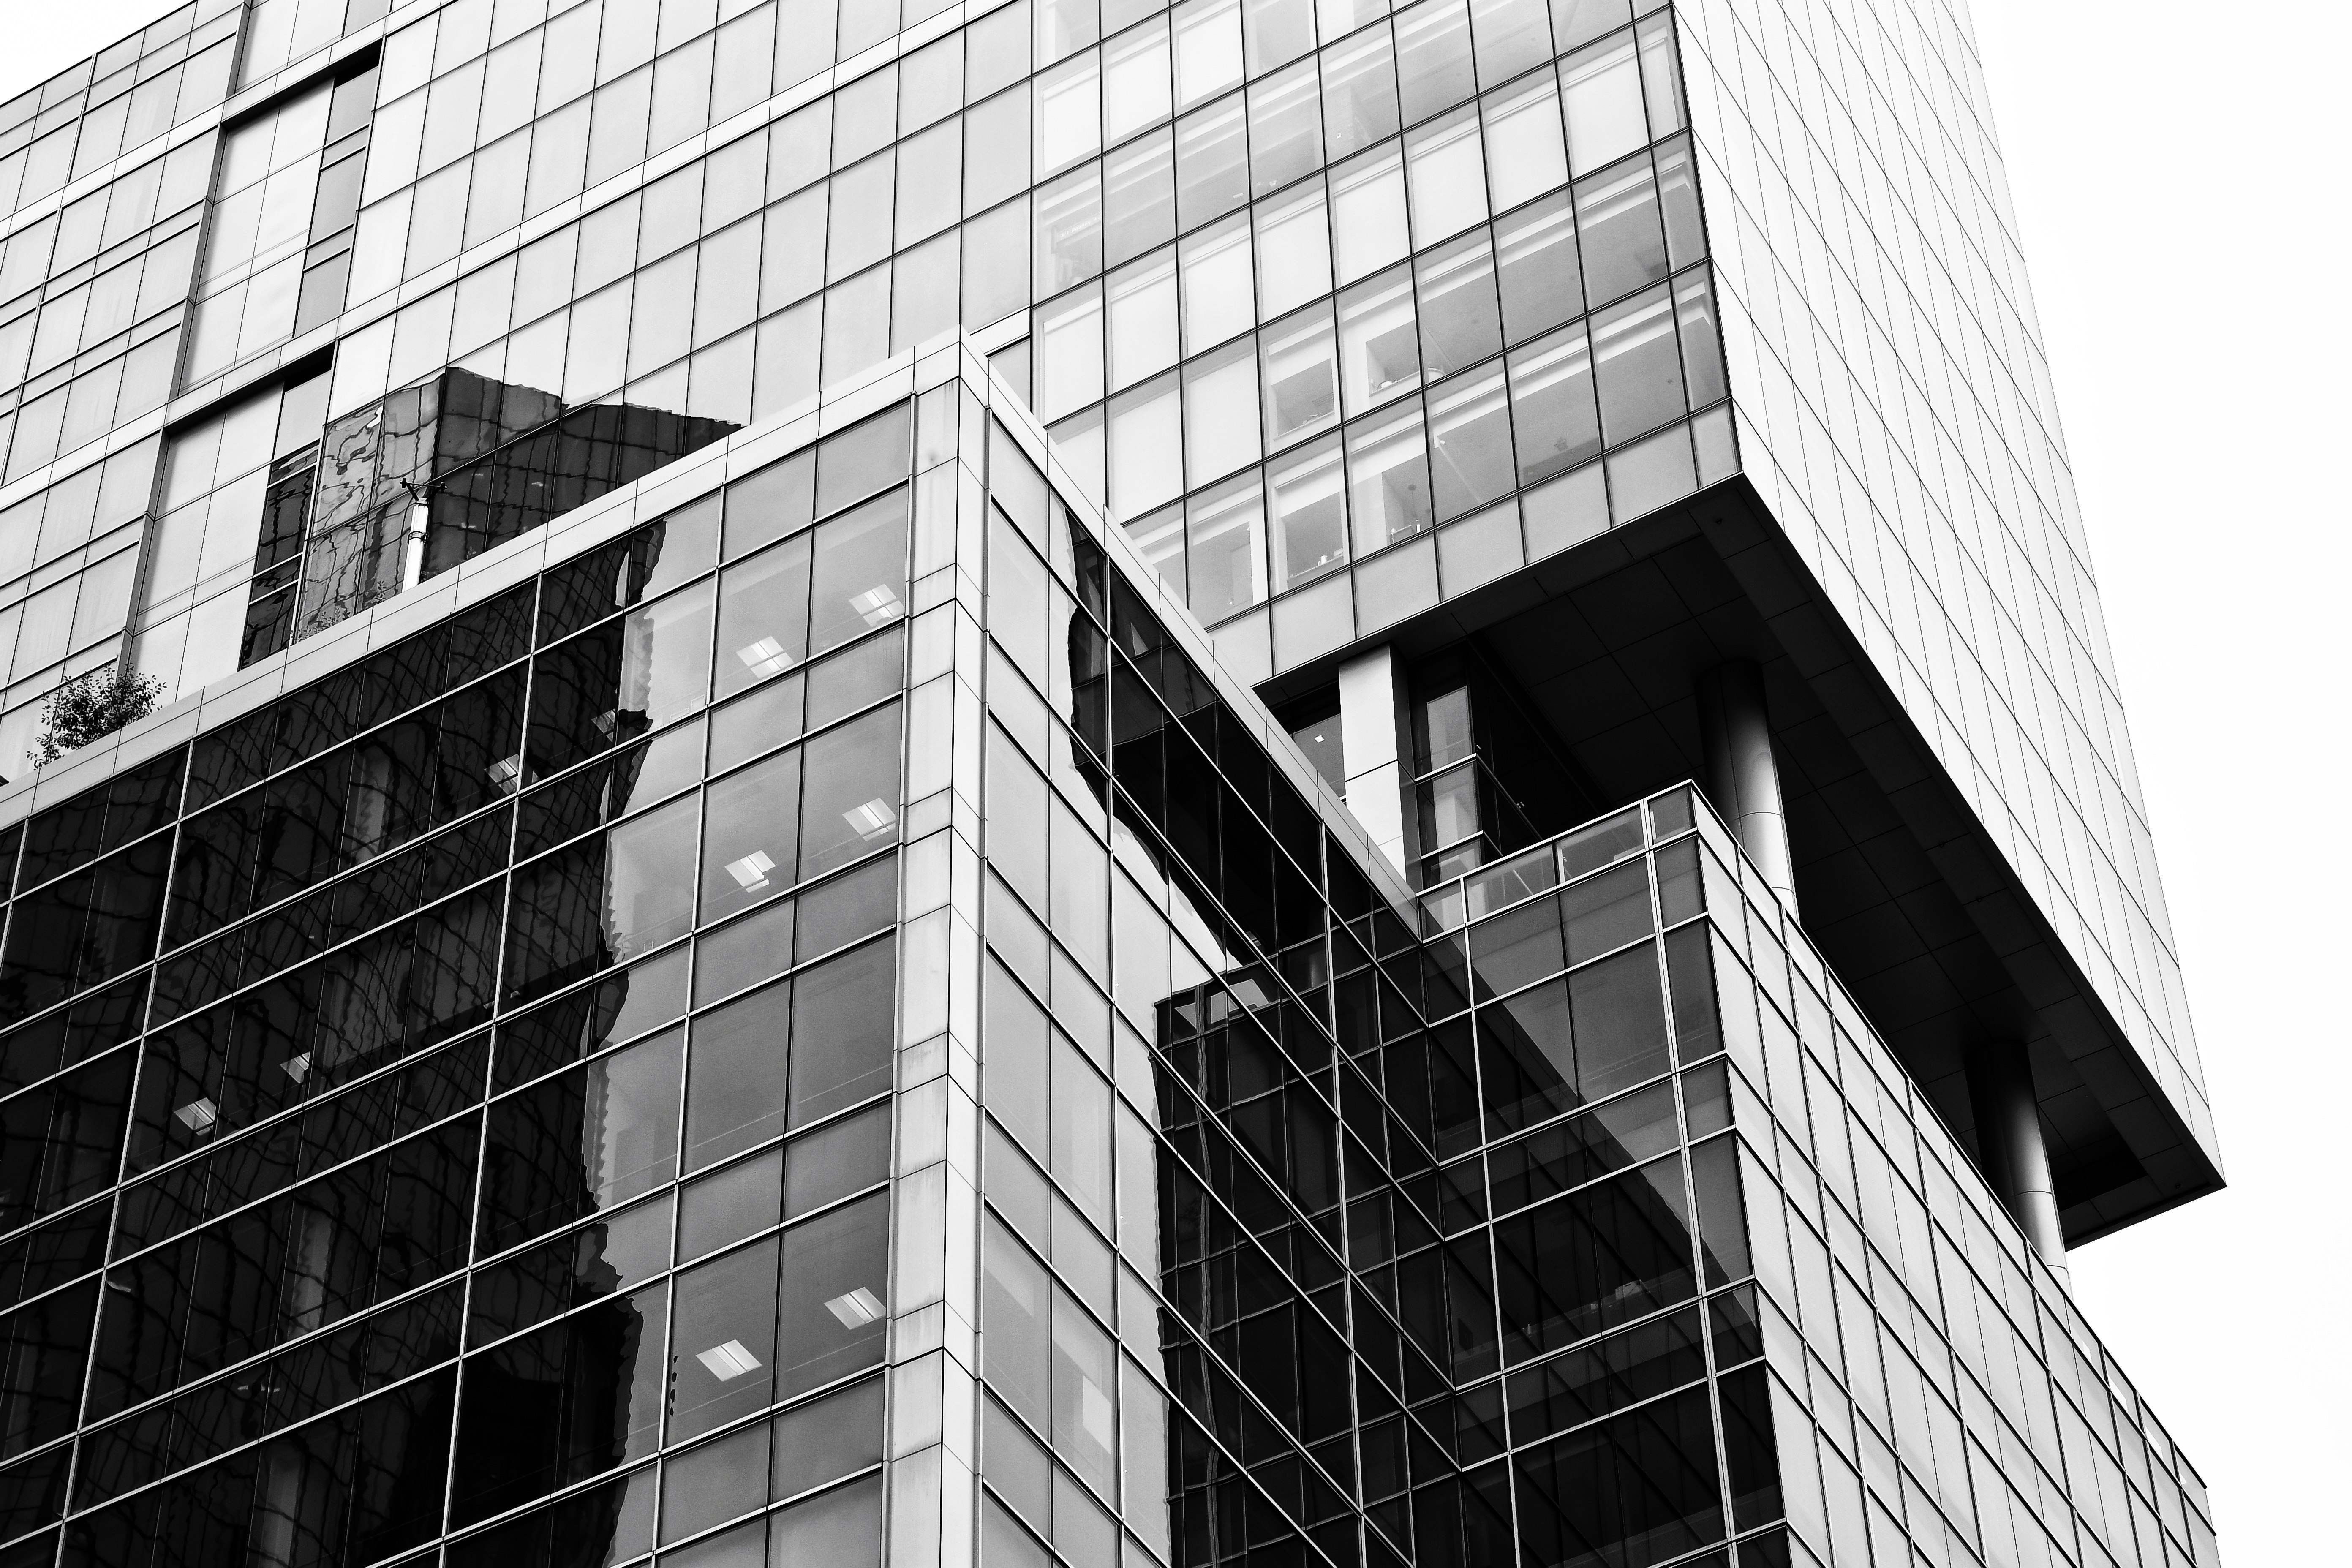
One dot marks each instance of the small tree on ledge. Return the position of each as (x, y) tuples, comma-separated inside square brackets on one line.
[(89, 706)]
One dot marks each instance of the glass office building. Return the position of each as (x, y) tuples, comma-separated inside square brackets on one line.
[(924, 793)]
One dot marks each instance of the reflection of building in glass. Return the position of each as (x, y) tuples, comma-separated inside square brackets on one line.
[(840, 925), (481, 463), (707, 964)]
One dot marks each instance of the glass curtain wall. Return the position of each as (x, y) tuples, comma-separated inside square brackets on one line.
[(832, 960), (1297, 286)]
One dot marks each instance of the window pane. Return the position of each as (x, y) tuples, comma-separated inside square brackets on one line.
[(1380, 349), (1461, 324), (1448, 176), (1542, 285), (763, 615), (825, 1439), (1302, 389), (1359, 102), (721, 1357), (1069, 230), (1286, 128), (1139, 198), (1221, 416), (666, 657), (843, 1526), (1620, 1019), (1068, 124), (735, 1078), (1226, 545), (1294, 251), (1432, 51), (841, 1030), (1617, 220), (1212, 162), (1082, 1108), (582, 1142), (715, 1483), (1678, 200), (1639, 365), (1470, 442), (850, 803), (1143, 320), (1084, 1374), (1310, 515), (832, 1313), (1701, 347), (1146, 449), (1218, 297), (827, 1165), (1525, 154), (1603, 92), (1388, 478), (646, 901), (727, 1208), (1016, 1333), (1551, 401), (1367, 223), (747, 849), (1136, 81), (859, 573), (1512, 35)]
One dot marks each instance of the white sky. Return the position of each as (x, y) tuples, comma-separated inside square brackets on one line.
[(2165, 159)]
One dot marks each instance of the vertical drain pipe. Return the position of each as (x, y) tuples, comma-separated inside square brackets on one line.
[(412, 560), (2009, 1142), (1742, 779)]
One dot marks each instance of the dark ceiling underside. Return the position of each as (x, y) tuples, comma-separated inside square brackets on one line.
[(1898, 883)]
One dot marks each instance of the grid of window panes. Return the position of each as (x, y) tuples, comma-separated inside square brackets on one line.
[(1929, 1379), (118, 102), (1186, 153), (1898, 417), (1432, 289), (278, 246), (949, 186), (910, 200), (91, 301), (648, 1106), (1317, 1222), (1567, 1256)]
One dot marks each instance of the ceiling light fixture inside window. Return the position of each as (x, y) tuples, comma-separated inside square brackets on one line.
[(750, 873), (855, 1308), (763, 657), (872, 820), (729, 1362)]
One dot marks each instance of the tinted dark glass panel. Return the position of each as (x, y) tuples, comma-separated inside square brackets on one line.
[(1634, 1490), (84, 928), (1591, 1260), (81, 830)]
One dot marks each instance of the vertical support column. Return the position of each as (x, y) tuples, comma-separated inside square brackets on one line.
[(2009, 1142), (1376, 739), (931, 1442), (1742, 778)]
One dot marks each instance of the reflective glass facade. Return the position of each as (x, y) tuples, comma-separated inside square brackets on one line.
[(1348, 315), (1900, 419), (920, 790), (823, 1026)]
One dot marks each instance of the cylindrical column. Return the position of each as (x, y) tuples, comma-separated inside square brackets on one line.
[(2008, 1141), (1741, 776)]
